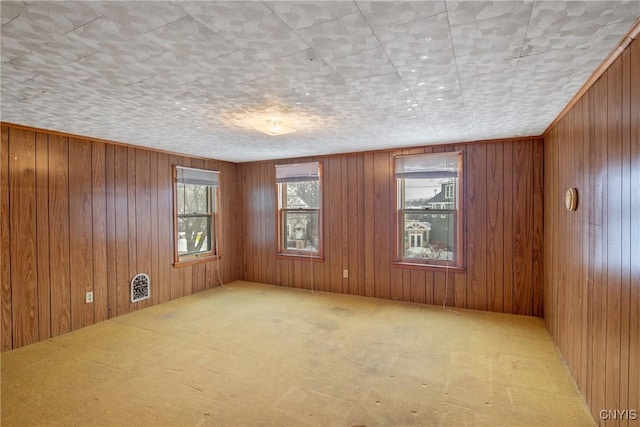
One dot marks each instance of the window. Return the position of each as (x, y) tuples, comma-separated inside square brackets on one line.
[(429, 209), (299, 214), (195, 198)]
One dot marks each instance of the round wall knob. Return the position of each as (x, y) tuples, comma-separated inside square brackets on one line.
[(571, 199)]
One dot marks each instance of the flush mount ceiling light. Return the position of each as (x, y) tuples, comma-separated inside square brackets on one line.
[(272, 126)]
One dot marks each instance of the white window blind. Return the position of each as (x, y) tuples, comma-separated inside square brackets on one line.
[(298, 172), (187, 175), (425, 166)]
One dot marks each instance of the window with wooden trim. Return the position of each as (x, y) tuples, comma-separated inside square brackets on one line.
[(429, 209), (299, 209), (195, 211)]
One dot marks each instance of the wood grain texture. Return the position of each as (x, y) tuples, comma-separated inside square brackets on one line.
[(22, 214), (495, 229), (476, 209), (59, 234), (42, 231), (359, 229), (592, 256), (99, 231), (85, 215), (6, 337), (112, 294), (634, 206), (80, 233), (165, 222)]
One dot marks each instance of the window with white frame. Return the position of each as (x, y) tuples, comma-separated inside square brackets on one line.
[(299, 209), (196, 201), (429, 209)]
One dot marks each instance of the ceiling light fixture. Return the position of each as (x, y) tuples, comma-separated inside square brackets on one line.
[(273, 127)]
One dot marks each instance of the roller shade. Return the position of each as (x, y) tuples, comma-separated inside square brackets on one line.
[(425, 166), (186, 175), (298, 172)]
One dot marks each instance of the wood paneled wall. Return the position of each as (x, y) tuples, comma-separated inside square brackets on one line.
[(592, 255), (503, 216), (80, 215)]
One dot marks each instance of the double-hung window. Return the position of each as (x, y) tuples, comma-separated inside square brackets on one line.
[(299, 209), (195, 198), (429, 209)]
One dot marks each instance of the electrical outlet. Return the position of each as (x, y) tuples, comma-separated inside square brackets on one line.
[(345, 274), (89, 297)]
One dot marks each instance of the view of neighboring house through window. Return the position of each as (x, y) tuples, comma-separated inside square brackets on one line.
[(299, 215), (429, 214), (195, 199)]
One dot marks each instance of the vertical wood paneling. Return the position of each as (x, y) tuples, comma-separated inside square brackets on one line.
[(5, 245), (369, 214), (584, 381), (537, 260), (59, 234), (80, 233), (598, 148), (382, 223), (508, 225), (334, 214), (269, 217), (428, 287), (82, 216), (111, 230), (354, 224), (592, 256), (122, 229), (523, 225), (99, 232), (614, 232), (132, 178), (153, 229), (625, 197), (476, 214), (495, 230), (634, 205), (142, 225), (42, 231), (360, 230), (177, 274), (344, 226), (417, 286), (165, 227), (22, 211)]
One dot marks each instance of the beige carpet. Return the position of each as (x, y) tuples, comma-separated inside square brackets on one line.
[(249, 354)]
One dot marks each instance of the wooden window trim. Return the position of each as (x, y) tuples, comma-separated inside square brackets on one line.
[(291, 254), (460, 230), (202, 257)]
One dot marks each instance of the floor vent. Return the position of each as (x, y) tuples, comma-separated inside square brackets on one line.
[(140, 287)]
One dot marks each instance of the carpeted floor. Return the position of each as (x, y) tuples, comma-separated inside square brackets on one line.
[(248, 354)]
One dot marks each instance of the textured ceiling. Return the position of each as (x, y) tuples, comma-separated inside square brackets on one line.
[(192, 77)]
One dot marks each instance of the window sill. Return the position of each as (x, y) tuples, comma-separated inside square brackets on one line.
[(430, 267), (196, 260), (300, 257)]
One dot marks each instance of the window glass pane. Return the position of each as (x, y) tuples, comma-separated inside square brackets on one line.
[(193, 198), (428, 236), (194, 235), (302, 195), (429, 193), (301, 231)]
